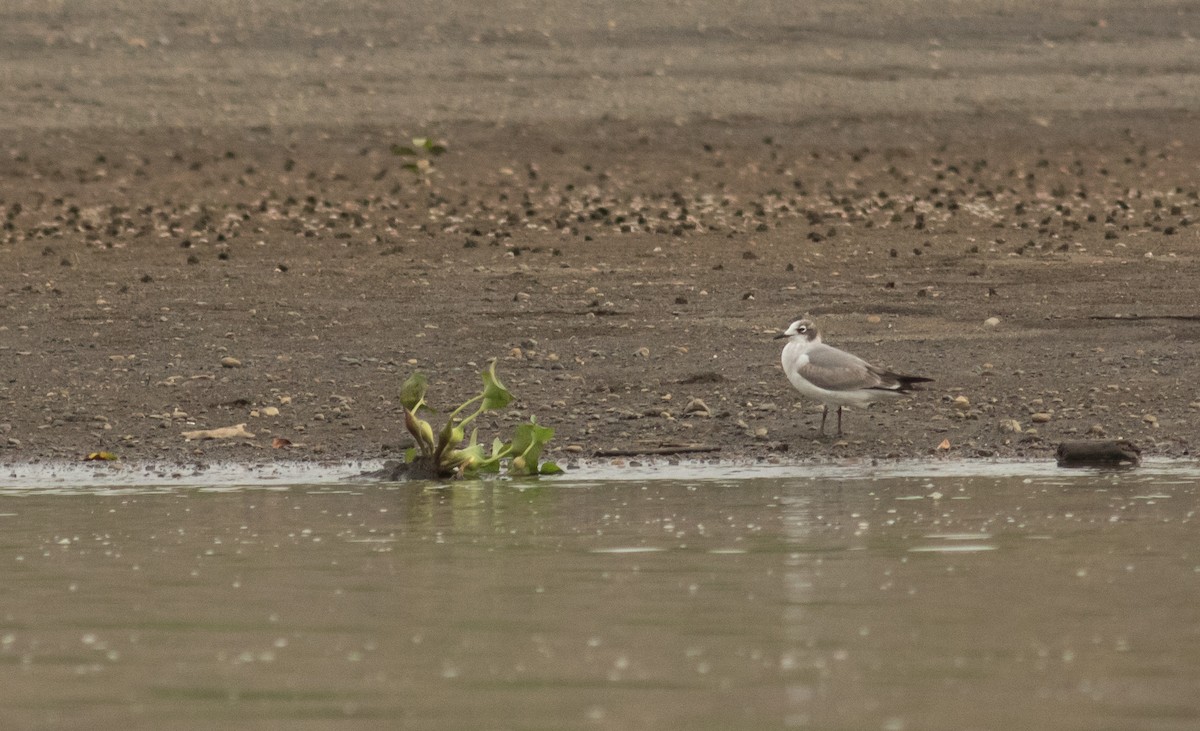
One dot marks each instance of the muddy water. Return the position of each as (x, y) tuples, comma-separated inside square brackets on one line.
[(1041, 601)]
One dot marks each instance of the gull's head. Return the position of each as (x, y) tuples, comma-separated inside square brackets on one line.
[(801, 331)]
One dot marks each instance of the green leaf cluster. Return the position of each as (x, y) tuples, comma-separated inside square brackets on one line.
[(445, 455), (420, 154)]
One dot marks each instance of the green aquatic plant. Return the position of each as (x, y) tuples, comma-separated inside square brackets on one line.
[(420, 155), (444, 455)]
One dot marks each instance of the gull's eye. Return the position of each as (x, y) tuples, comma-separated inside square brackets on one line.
[(802, 329)]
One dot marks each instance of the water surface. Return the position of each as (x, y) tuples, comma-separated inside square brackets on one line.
[(900, 599)]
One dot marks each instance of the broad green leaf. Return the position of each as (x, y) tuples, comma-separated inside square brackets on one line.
[(549, 468), (425, 143), (528, 441), (495, 395), (489, 465), (436, 150), (410, 454), (411, 166), (402, 150), (468, 460), (412, 393)]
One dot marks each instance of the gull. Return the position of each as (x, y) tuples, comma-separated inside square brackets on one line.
[(835, 377)]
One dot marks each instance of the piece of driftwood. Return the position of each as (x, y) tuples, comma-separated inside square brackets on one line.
[(663, 450), (1112, 453)]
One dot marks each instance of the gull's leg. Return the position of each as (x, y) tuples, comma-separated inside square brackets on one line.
[(824, 413), (839, 421)]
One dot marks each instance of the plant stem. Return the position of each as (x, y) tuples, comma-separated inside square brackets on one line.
[(464, 405)]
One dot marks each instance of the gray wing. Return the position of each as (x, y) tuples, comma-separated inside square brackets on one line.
[(837, 370)]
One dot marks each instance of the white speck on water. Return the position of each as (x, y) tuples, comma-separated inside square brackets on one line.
[(628, 549), (954, 548)]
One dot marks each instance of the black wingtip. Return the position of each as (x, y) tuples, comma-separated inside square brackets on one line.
[(908, 384)]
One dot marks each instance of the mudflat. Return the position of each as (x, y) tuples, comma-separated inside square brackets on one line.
[(205, 222)]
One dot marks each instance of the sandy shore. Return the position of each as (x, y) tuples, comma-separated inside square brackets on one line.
[(631, 205)]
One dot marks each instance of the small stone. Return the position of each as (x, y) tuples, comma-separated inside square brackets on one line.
[(1194, 405), (574, 448), (992, 321), (962, 403), (521, 297), (1010, 426), (1040, 417), (230, 362), (516, 353), (1151, 419), (696, 406), (1097, 430), (643, 352), (761, 433), (270, 411), (874, 319)]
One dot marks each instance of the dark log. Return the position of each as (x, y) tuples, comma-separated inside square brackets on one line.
[(1112, 453)]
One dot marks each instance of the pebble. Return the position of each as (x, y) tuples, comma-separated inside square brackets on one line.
[(1012, 426), (962, 403), (696, 406), (1040, 417), (230, 362), (1097, 430), (1151, 419), (643, 352), (992, 321), (270, 411), (574, 448), (874, 319), (760, 433)]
